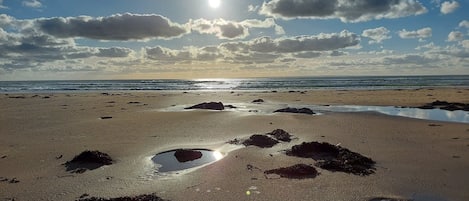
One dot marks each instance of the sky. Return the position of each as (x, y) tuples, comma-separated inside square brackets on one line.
[(189, 39)]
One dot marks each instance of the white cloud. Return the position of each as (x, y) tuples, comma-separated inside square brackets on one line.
[(32, 3), (421, 33), (258, 51), (464, 23), (115, 27), (455, 36), (231, 30), (465, 44), (2, 6), (252, 8), (377, 35), (346, 11), (449, 7)]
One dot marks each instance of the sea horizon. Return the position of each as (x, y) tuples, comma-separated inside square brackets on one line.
[(260, 83)]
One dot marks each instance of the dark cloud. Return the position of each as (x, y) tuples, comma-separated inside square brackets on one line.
[(346, 11), (114, 52), (321, 42), (116, 27)]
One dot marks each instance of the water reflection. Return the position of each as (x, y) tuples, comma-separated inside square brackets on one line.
[(168, 161), (433, 114)]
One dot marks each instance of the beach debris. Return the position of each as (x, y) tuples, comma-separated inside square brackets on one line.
[(106, 117), (4, 156), (334, 158), (84, 195), (258, 101), (11, 181), (445, 105), (184, 155), (145, 197), (262, 141), (88, 160), (296, 110), (388, 199), (252, 167), (17, 97), (208, 106), (59, 157), (133, 102), (230, 106), (281, 135), (298, 171)]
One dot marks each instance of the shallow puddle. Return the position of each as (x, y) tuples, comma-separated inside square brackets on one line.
[(173, 160), (428, 114)]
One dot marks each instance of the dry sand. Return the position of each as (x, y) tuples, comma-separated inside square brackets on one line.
[(420, 159)]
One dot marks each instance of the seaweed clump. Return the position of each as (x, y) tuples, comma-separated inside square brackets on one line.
[(298, 171), (88, 160), (334, 158)]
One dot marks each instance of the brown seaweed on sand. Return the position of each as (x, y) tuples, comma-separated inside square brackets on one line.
[(88, 160), (208, 106), (145, 197), (298, 171), (262, 141), (295, 110), (334, 158), (184, 155)]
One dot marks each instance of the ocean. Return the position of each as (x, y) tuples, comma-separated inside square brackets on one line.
[(291, 83)]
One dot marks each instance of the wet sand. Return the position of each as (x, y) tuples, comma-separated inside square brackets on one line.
[(420, 159)]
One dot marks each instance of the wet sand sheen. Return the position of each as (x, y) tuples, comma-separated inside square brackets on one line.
[(39, 135)]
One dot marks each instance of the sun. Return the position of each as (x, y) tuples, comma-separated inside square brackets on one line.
[(214, 3)]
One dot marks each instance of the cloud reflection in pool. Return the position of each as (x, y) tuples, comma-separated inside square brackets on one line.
[(429, 114)]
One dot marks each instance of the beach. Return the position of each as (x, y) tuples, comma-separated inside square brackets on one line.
[(415, 158)]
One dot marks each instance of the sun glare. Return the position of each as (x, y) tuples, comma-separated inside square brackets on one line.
[(214, 3)]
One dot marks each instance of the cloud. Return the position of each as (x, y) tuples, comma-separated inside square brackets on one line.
[(346, 11), (321, 42), (410, 59), (421, 33), (2, 6), (221, 28), (252, 8), (377, 35), (258, 51), (455, 36), (116, 27), (464, 24), (465, 44), (449, 7), (32, 3), (24, 47), (224, 29), (113, 52)]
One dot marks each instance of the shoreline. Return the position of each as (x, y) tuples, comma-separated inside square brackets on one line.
[(37, 130)]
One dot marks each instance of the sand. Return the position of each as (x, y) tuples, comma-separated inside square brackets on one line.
[(419, 159)]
